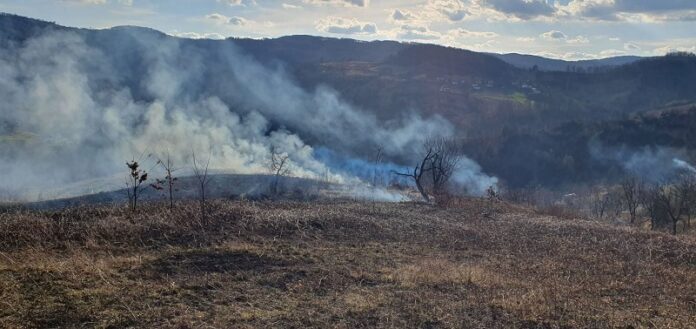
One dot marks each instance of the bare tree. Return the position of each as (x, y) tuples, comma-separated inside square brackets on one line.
[(686, 188), (279, 167), (169, 180), (614, 203), (648, 198), (599, 203), (200, 171), (418, 172), (631, 189), (441, 159), (675, 199), (134, 182), (447, 155), (376, 176)]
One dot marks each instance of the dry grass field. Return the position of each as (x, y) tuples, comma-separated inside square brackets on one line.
[(338, 265)]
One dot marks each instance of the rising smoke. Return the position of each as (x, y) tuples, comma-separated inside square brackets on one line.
[(77, 104), (653, 164)]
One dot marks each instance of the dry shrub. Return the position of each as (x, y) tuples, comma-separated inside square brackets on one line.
[(430, 272)]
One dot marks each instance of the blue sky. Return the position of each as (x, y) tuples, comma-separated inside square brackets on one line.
[(568, 29)]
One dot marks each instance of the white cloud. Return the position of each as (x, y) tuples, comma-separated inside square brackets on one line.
[(346, 3), (525, 39), (523, 9), (569, 56), (221, 19), (235, 20), (238, 2), (670, 49), (554, 35), (640, 10), (631, 46), (399, 15), (453, 10), (464, 33), (87, 2), (99, 2), (602, 10), (611, 53), (218, 18), (195, 35), (340, 25), (577, 56), (289, 6), (578, 40), (416, 32)]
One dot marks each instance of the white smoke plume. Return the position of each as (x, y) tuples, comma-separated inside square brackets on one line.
[(652, 164), (76, 106), (681, 164)]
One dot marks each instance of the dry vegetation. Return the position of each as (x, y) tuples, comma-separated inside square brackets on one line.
[(338, 265)]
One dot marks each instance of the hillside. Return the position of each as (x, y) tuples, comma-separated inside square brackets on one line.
[(516, 113), (577, 151), (386, 77), (342, 265)]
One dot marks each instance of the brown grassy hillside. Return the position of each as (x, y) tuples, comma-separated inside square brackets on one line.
[(338, 265)]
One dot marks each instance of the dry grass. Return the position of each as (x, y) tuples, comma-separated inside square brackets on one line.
[(338, 265)]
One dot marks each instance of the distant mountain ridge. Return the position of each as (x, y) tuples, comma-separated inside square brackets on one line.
[(307, 48), (548, 64)]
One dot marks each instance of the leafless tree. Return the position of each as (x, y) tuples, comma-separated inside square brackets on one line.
[(200, 171), (446, 158), (169, 180), (648, 198), (279, 167), (599, 203), (686, 187), (134, 182), (631, 189), (379, 157), (675, 199), (441, 159), (418, 172), (376, 177)]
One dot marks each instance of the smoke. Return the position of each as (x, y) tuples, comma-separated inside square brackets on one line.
[(652, 164), (76, 105), (474, 181), (683, 165)]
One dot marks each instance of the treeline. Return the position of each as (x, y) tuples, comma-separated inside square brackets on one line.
[(564, 156), (669, 205)]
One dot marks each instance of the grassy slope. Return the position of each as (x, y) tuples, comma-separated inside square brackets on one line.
[(345, 265)]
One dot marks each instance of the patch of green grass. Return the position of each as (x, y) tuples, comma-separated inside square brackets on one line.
[(517, 98)]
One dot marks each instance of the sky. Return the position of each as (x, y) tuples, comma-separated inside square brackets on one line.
[(564, 29)]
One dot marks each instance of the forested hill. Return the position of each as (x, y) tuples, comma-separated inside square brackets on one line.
[(485, 96)]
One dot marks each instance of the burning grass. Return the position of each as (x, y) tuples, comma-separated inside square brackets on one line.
[(341, 265)]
